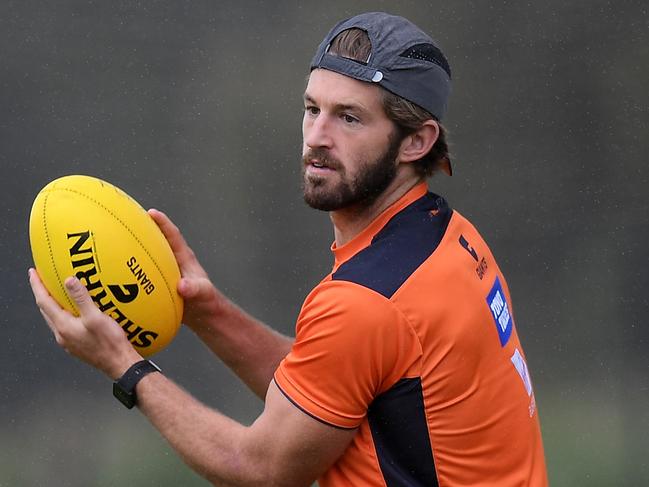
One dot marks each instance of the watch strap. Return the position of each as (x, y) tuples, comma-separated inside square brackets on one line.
[(124, 387)]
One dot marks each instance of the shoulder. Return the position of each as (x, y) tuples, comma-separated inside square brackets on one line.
[(351, 344), (346, 307), (356, 321), (407, 240)]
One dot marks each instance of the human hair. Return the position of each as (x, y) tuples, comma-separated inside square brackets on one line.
[(408, 117)]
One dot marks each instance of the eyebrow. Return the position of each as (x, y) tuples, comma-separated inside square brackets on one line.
[(356, 107)]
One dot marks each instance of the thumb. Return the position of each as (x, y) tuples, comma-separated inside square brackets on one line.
[(80, 296), (195, 288)]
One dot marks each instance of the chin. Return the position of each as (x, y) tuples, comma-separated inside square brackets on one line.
[(320, 199)]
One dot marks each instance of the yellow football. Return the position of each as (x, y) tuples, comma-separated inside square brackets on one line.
[(86, 227)]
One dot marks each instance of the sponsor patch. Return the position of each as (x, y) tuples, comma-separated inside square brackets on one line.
[(521, 367), (499, 308)]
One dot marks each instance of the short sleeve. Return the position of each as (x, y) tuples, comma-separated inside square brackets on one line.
[(351, 344)]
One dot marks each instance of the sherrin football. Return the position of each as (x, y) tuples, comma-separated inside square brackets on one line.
[(86, 227)]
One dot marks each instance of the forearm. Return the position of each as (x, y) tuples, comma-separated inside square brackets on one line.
[(248, 347), (209, 442), (283, 447)]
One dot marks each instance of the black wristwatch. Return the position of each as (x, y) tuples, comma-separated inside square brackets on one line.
[(124, 387)]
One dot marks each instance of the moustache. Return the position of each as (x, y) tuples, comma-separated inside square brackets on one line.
[(322, 157)]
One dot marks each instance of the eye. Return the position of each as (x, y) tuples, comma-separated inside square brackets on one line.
[(350, 119), (311, 110)]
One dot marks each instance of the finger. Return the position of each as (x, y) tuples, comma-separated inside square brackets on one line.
[(52, 326), (183, 253), (59, 320), (48, 306), (169, 230), (49, 322), (80, 296), (192, 288)]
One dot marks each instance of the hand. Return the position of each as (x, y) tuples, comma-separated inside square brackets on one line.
[(93, 336), (202, 300)]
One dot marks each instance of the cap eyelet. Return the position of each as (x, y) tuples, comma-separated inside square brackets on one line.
[(378, 76)]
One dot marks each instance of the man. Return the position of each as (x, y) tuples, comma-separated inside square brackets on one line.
[(406, 368)]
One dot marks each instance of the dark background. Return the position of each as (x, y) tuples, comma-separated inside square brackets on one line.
[(194, 107)]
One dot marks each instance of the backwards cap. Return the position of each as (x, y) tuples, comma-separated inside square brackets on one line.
[(403, 60)]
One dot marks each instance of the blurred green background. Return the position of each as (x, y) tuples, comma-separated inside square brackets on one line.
[(194, 107)]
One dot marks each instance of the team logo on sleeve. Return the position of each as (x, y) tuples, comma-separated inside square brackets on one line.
[(500, 311)]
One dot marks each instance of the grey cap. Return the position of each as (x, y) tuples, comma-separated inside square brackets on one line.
[(403, 60)]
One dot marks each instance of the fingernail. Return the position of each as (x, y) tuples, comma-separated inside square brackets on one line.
[(71, 282)]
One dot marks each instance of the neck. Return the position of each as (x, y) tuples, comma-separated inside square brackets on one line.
[(349, 222)]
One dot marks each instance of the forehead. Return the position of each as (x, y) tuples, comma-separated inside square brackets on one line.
[(329, 88)]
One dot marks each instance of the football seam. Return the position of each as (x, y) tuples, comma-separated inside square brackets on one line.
[(117, 218), (49, 248)]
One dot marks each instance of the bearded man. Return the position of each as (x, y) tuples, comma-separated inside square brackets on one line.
[(406, 368)]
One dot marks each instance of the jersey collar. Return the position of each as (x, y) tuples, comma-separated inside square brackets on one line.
[(364, 239)]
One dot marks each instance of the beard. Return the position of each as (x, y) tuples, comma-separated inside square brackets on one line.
[(372, 179)]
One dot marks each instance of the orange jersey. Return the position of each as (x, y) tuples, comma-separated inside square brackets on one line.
[(411, 339)]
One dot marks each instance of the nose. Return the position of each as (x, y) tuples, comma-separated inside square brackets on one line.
[(316, 131)]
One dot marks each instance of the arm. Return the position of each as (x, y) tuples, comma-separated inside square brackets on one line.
[(283, 446), (248, 347)]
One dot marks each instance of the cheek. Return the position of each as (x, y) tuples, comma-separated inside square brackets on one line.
[(305, 133), (303, 122)]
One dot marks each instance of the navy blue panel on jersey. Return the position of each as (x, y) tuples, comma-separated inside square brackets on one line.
[(408, 239), (398, 425)]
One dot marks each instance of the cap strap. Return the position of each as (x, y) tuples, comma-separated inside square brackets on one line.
[(348, 67)]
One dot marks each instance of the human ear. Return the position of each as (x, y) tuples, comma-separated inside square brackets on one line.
[(418, 144)]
